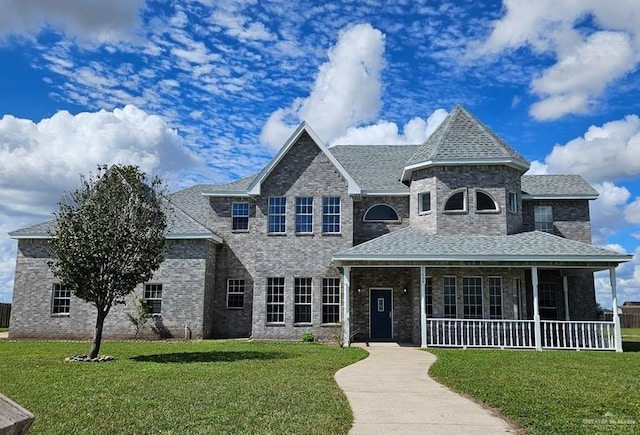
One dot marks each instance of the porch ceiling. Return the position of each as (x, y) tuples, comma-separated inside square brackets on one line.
[(411, 246)]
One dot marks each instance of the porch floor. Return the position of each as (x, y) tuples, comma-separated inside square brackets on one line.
[(391, 392)]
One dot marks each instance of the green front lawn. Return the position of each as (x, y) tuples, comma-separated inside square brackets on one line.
[(4, 329), (551, 391), (180, 387)]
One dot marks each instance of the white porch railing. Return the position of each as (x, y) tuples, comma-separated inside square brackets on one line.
[(578, 335), (480, 333), (520, 334)]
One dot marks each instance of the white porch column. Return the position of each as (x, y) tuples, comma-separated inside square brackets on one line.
[(565, 287), (423, 307), (614, 307), (536, 308), (346, 318)]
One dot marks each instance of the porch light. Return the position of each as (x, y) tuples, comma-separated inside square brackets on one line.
[(405, 291)]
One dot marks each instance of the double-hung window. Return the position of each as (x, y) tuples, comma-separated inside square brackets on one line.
[(331, 215), (60, 300), (331, 300), (275, 300), (240, 216), (449, 290), (277, 209), (424, 202), (304, 215), (302, 300), (153, 297), (472, 297), (235, 293), (495, 297), (428, 286), (543, 216)]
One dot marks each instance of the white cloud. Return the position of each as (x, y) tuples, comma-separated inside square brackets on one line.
[(416, 131), (347, 90), (588, 60), (86, 20), (632, 212), (607, 152), (40, 160)]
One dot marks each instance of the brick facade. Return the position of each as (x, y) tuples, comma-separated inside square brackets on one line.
[(196, 273)]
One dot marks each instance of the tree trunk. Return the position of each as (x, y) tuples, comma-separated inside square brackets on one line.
[(97, 336)]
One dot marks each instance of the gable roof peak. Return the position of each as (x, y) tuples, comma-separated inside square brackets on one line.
[(462, 139), (256, 185)]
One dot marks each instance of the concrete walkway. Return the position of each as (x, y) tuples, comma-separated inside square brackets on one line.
[(4, 334), (390, 392)]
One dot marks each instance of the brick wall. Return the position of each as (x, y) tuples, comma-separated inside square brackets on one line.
[(182, 275)]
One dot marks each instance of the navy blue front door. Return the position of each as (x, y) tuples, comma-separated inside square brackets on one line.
[(380, 303)]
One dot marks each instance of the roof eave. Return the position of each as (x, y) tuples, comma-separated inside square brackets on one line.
[(514, 163), (229, 193), (529, 197), (195, 236), (487, 258)]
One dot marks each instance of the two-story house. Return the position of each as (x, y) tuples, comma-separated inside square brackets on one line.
[(443, 243)]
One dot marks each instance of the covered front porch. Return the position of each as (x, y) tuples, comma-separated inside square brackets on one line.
[(476, 307), (542, 298)]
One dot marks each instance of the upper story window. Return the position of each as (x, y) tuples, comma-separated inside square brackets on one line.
[(484, 202), (235, 293), (276, 219), (424, 202), (240, 216), (381, 213), (512, 202), (457, 202), (304, 214), (331, 215), (543, 216)]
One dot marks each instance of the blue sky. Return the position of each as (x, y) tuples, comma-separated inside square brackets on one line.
[(207, 91)]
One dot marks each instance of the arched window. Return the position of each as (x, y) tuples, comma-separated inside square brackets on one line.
[(456, 202), (484, 202), (381, 213)]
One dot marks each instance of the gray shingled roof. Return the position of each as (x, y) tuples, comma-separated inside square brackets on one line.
[(461, 136), (557, 186), (181, 226), (376, 168), (413, 244), (237, 186)]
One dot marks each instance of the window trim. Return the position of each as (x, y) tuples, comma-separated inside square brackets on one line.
[(491, 304), (299, 283), (551, 230), (465, 202), (241, 282), (334, 286), (275, 286), (428, 295), (56, 297), (327, 214), (512, 202), (465, 295), (283, 215), (298, 214), (495, 210), (421, 196), (234, 216), (147, 299), (455, 297), (388, 221)]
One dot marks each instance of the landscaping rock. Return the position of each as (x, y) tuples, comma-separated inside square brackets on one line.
[(85, 358)]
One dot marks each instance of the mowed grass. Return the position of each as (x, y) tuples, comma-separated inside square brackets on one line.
[(551, 392), (179, 387)]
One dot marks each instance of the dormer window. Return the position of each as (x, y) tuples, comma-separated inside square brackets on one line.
[(424, 202), (456, 202), (484, 202), (381, 213)]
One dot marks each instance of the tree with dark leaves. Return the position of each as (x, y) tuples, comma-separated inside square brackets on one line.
[(110, 237)]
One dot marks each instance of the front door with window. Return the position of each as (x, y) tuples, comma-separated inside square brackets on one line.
[(381, 314)]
